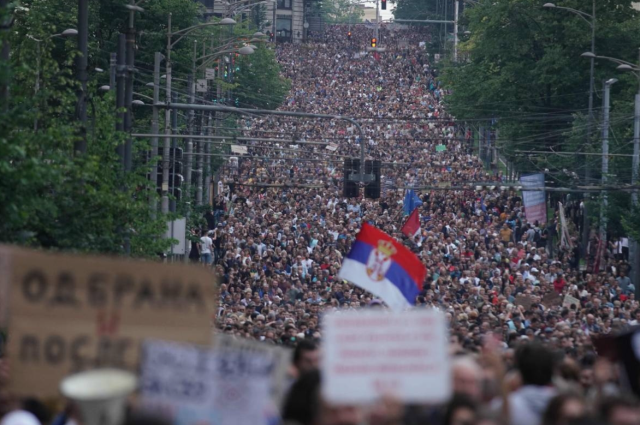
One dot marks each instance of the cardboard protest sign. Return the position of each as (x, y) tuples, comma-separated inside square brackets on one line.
[(280, 356), (569, 301), (71, 313), (368, 354), (195, 385), (524, 300), (552, 299)]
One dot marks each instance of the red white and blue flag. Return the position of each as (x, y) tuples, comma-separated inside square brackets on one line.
[(382, 266)]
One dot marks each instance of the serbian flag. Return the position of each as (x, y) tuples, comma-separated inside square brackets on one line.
[(411, 227), (382, 266)]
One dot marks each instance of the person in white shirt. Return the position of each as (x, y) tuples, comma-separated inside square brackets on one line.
[(206, 244)]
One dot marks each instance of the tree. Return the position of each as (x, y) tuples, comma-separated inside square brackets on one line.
[(340, 11), (48, 197), (523, 70), (260, 83)]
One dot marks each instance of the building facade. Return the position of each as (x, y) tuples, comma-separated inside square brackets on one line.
[(289, 20)]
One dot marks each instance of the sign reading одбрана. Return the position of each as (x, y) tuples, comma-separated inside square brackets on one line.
[(370, 354), (71, 313)]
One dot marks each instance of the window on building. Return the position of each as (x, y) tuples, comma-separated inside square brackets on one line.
[(284, 4), (283, 27)]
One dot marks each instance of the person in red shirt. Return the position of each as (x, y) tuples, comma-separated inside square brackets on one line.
[(559, 283)]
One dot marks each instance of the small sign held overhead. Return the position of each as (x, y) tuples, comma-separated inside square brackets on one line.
[(210, 74), (201, 86), (368, 354), (239, 149)]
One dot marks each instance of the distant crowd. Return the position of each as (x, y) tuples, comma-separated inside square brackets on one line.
[(523, 316)]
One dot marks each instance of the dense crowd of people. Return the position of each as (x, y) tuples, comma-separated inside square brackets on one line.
[(523, 315), (532, 332)]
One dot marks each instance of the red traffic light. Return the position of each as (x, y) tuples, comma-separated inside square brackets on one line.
[(374, 42)]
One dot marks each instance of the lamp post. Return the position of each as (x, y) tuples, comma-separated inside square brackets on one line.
[(167, 146), (590, 19), (634, 247), (605, 158)]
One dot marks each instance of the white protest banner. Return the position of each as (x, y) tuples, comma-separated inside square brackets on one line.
[(239, 149), (535, 205), (332, 147), (195, 385), (280, 356), (569, 301), (368, 354)]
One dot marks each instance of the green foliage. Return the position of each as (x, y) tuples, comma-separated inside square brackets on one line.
[(260, 83), (48, 197), (339, 11), (521, 66), (421, 9)]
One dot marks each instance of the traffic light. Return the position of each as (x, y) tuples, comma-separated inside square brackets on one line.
[(349, 35), (350, 188), (374, 42), (372, 190), (384, 4)]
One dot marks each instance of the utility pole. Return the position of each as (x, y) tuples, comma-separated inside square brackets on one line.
[(188, 157), (153, 205), (207, 166), (585, 215), (167, 128), (174, 146), (199, 162), (455, 30), (112, 71), (605, 158), (80, 146), (5, 49), (120, 92), (377, 28), (130, 54), (634, 246)]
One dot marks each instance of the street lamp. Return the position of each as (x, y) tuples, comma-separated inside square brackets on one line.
[(69, 32), (590, 19), (137, 102), (634, 247), (605, 158), (244, 51), (170, 43)]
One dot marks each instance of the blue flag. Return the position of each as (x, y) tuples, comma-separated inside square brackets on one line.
[(411, 201)]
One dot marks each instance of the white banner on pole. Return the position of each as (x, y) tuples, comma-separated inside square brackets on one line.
[(535, 204), (565, 238), (177, 229)]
